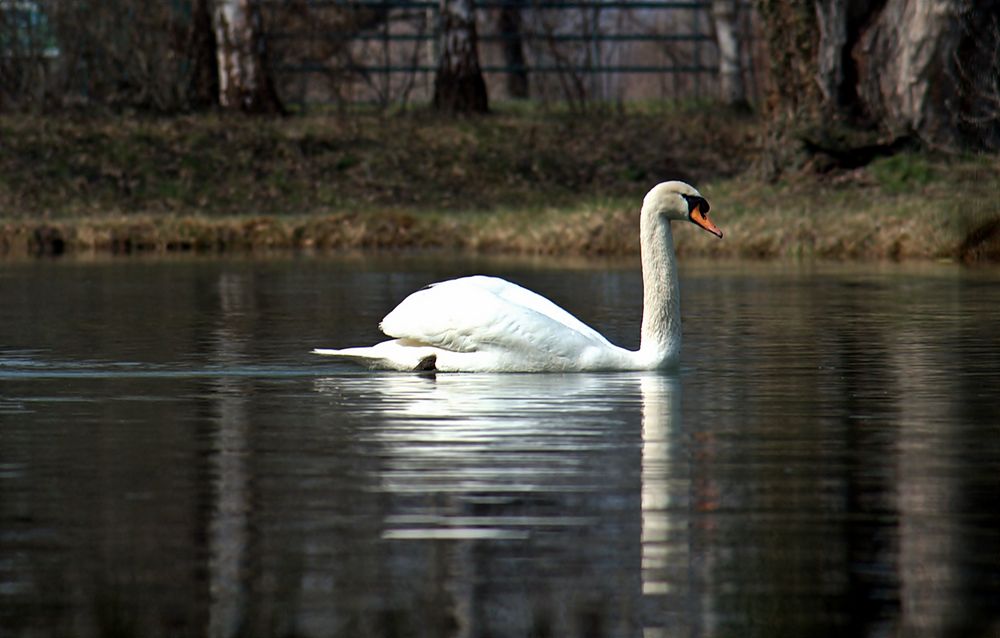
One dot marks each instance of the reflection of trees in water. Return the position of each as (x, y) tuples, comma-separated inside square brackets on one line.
[(867, 524), (818, 495), (231, 500), (947, 519), (801, 499), (847, 490)]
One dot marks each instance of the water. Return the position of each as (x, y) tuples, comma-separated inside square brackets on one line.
[(173, 462)]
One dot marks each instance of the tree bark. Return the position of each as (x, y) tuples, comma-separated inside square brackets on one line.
[(244, 82), (458, 85), (831, 18), (731, 89), (903, 72), (791, 35), (848, 75), (977, 72), (509, 27), (203, 88)]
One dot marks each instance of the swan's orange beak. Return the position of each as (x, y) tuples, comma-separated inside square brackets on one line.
[(702, 220)]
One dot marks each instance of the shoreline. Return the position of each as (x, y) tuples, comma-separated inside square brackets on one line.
[(537, 183), (588, 232)]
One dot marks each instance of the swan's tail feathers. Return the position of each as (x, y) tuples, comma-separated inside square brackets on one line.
[(362, 356), (344, 352), (388, 355)]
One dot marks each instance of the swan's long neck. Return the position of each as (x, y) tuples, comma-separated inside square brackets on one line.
[(661, 317)]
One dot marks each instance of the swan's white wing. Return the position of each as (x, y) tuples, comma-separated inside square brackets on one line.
[(486, 313), (523, 297)]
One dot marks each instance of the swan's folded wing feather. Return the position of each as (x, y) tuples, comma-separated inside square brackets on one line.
[(477, 313), (528, 299)]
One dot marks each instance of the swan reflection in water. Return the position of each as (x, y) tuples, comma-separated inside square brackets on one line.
[(564, 494)]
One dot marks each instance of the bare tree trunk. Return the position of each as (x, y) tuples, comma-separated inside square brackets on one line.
[(731, 89), (852, 79), (831, 16), (790, 33), (458, 84), (509, 27), (203, 89), (792, 101), (903, 74), (900, 65), (244, 83), (977, 73)]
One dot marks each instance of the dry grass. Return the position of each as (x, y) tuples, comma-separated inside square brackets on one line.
[(212, 165), (539, 183), (870, 213)]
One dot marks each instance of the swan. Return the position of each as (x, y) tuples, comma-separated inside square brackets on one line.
[(488, 324)]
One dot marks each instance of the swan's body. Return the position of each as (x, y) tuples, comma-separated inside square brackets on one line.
[(486, 324)]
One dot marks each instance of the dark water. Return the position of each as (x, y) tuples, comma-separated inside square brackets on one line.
[(173, 462)]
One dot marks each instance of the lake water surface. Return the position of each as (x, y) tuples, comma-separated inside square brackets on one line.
[(174, 462)]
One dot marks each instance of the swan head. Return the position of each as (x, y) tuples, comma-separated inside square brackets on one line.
[(680, 201)]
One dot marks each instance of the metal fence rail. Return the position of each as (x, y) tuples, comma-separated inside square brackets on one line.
[(339, 36), (491, 4), (571, 38)]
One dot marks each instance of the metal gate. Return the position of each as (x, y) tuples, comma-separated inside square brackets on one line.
[(386, 51)]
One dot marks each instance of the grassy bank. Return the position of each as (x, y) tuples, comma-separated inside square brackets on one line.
[(515, 182)]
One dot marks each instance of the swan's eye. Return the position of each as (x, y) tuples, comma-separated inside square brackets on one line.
[(697, 202)]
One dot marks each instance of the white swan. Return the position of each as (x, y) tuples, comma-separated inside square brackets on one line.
[(486, 324)]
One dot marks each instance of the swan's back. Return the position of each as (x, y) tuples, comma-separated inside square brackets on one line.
[(479, 313)]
